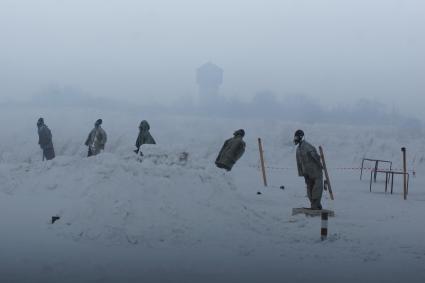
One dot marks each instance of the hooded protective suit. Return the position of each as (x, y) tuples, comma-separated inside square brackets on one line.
[(231, 151), (310, 167), (96, 140), (45, 141), (144, 136)]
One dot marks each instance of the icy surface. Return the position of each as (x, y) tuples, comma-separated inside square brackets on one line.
[(162, 218)]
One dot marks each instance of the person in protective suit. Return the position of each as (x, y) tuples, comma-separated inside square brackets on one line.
[(144, 136), (231, 151), (96, 140), (310, 167), (45, 140)]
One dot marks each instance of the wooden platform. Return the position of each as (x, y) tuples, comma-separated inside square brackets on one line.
[(310, 212)]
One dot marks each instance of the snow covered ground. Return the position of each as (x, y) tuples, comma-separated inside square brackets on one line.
[(164, 219)]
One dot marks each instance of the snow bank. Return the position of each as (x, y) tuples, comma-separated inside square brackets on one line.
[(127, 199)]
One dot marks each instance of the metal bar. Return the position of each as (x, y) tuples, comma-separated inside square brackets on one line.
[(408, 179), (370, 185), (376, 169), (392, 183), (386, 181), (403, 149)]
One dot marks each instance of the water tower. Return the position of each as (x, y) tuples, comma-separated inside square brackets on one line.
[(209, 77)]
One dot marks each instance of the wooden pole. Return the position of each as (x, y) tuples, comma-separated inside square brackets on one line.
[(263, 169), (328, 180), (403, 149), (324, 228)]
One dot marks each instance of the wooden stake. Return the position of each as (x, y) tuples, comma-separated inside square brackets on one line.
[(403, 149), (263, 169), (328, 181), (324, 228)]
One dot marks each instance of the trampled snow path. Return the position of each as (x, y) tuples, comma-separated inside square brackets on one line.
[(167, 220)]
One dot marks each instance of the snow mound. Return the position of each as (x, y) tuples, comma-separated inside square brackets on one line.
[(125, 199)]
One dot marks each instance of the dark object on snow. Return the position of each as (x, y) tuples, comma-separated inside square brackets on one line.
[(183, 157), (144, 136), (96, 140), (45, 140), (231, 151), (258, 193), (310, 167), (55, 218), (282, 187)]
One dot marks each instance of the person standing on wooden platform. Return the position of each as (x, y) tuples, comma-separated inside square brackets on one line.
[(309, 167)]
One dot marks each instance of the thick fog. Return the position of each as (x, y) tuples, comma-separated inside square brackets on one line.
[(349, 73), (333, 53)]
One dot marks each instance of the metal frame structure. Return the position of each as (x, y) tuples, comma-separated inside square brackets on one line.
[(377, 161), (389, 176)]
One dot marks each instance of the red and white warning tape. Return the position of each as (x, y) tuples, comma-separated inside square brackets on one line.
[(334, 168)]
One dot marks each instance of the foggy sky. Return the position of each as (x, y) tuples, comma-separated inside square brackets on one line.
[(333, 50)]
